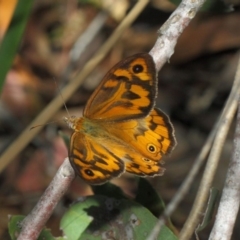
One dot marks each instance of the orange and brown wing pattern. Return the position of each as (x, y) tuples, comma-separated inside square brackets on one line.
[(137, 164), (159, 124), (153, 136), (127, 91), (93, 162)]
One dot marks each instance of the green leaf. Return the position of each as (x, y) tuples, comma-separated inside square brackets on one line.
[(101, 217), (76, 220), (211, 206), (11, 40), (46, 235), (148, 197), (14, 228)]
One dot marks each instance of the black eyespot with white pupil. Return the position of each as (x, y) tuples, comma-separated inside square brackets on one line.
[(151, 148), (89, 172), (137, 68)]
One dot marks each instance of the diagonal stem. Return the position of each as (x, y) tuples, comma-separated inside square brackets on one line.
[(229, 203), (211, 166)]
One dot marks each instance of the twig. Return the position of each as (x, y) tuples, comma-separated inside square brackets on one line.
[(172, 29), (36, 220), (26, 136), (211, 166), (181, 193), (161, 52), (230, 200), (82, 42)]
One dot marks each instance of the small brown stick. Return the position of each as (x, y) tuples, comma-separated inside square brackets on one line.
[(172, 29), (230, 200), (211, 166), (33, 224), (181, 193)]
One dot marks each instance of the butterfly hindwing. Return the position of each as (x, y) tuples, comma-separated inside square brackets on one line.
[(153, 136), (91, 161), (153, 142)]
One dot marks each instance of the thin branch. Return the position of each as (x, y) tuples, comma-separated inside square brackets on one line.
[(172, 29), (211, 166), (26, 136), (183, 190), (82, 42), (33, 224), (230, 200)]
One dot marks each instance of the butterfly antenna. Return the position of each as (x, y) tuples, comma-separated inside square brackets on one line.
[(41, 125), (64, 104)]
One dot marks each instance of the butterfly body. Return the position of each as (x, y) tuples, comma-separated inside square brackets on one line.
[(120, 130)]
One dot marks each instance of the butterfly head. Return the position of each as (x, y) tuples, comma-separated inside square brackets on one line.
[(71, 121)]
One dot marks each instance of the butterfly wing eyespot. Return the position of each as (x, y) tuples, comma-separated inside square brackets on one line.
[(137, 68), (89, 172), (151, 148)]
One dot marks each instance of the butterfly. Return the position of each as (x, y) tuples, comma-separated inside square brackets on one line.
[(120, 129)]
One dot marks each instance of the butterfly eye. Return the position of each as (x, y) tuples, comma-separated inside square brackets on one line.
[(151, 148), (89, 172), (137, 68)]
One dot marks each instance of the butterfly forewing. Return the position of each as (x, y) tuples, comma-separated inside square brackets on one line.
[(126, 92)]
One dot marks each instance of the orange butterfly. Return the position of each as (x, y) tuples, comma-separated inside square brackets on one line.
[(120, 130)]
